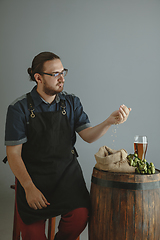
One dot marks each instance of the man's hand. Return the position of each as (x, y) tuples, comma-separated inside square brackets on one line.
[(119, 116), (91, 134), (35, 198)]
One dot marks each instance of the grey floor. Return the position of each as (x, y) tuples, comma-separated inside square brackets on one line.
[(6, 216)]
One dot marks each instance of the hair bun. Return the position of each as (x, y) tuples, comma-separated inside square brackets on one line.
[(29, 71)]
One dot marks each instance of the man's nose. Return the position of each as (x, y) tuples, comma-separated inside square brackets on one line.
[(61, 78)]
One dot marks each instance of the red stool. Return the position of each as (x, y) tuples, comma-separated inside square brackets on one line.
[(16, 227)]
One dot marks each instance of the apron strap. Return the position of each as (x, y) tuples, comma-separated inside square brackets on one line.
[(30, 105), (74, 152), (5, 159), (63, 106), (30, 101)]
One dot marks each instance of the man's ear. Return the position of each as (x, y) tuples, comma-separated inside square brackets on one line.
[(38, 77)]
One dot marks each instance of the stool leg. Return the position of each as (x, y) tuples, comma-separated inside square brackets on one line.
[(16, 227), (51, 228)]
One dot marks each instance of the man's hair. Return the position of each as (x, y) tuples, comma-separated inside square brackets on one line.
[(38, 62)]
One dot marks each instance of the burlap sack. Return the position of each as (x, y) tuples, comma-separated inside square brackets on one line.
[(112, 160)]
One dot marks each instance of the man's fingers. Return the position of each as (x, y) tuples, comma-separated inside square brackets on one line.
[(124, 112), (34, 206), (126, 109), (39, 204), (45, 201)]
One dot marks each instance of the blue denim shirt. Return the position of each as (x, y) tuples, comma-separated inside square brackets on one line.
[(18, 116)]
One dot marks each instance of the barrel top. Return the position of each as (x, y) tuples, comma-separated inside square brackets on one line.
[(126, 177)]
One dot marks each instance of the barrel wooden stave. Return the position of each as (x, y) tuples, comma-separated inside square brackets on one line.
[(123, 213)]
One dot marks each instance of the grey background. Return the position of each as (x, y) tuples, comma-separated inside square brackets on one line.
[(112, 50)]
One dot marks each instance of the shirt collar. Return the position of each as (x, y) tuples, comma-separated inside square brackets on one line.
[(37, 99)]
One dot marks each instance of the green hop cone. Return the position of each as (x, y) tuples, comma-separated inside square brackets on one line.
[(153, 169), (136, 160), (141, 167), (131, 162), (145, 170), (134, 164), (147, 164)]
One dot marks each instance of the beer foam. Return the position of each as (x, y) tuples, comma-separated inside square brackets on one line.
[(140, 139)]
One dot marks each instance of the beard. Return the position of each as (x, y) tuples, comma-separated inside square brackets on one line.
[(50, 91)]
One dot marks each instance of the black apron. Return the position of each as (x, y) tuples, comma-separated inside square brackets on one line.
[(52, 164)]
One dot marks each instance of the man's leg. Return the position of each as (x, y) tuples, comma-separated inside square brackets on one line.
[(72, 224), (35, 231)]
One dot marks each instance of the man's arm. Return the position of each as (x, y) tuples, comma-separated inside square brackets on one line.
[(34, 197), (92, 134)]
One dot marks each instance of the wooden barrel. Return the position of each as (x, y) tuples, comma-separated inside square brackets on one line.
[(124, 206)]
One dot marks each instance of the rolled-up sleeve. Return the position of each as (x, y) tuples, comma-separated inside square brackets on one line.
[(81, 118), (15, 128)]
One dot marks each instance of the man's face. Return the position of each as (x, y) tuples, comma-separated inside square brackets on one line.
[(52, 85)]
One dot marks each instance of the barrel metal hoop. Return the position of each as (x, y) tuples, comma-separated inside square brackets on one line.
[(126, 185)]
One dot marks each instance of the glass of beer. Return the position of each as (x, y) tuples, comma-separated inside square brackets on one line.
[(140, 146)]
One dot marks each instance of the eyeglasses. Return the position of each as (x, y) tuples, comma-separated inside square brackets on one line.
[(57, 74)]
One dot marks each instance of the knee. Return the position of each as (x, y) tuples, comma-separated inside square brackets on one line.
[(76, 219), (72, 224)]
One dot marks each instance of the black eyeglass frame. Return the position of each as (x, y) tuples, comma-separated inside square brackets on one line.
[(56, 74)]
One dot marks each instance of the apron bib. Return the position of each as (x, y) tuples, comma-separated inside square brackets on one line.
[(52, 164)]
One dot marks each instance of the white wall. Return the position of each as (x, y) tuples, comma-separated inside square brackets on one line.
[(112, 50)]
